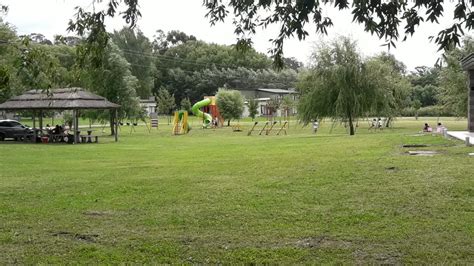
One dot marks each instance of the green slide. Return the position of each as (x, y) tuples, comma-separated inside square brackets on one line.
[(207, 117)]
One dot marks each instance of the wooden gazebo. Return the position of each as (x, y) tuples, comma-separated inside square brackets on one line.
[(74, 99)]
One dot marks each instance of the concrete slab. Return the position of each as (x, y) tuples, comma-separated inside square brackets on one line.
[(461, 135), (422, 153)]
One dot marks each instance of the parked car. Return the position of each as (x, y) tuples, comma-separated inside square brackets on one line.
[(11, 129)]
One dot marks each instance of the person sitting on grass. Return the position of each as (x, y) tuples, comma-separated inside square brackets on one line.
[(427, 128), (440, 128)]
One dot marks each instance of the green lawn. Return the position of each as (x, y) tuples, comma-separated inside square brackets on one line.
[(217, 196)]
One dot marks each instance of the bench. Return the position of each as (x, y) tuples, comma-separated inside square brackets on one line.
[(88, 138)]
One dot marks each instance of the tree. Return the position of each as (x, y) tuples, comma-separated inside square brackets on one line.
[(292, 63), (287, 104), (337, 86), (230, 104), (392, 88), (165, 101), (114, 81), (273, 105), (453, 80), (5, 91), (137, 49), (252, 105), (381, 18), (186, 104)]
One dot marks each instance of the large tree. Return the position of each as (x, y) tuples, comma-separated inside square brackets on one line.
[(392, 88), (114, 81), (453, 80), (137, 49), (337, 86)]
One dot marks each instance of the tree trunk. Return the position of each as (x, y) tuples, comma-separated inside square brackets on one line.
[(112, 120), (228, 123), (351, 126)]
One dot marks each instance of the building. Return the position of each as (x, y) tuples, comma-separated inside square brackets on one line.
[(148, 105), (264, 97)]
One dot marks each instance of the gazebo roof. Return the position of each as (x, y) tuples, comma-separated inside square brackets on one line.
[(58, 99)]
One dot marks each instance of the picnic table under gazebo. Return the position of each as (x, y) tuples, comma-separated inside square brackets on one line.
[(74, 99)]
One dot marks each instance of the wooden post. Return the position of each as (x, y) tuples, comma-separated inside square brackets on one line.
[(116, 125), (76, 126), (34, 127), (41, 120)]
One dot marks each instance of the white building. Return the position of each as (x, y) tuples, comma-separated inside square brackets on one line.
[(149, 105), (264, 96)]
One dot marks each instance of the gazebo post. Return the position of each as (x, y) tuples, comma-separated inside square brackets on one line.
[(41, 120), (116, 125), (34, 126), (76, 125)]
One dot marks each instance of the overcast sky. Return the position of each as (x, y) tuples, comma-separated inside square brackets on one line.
[(50, 17)]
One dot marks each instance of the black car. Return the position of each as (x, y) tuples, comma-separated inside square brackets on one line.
[(12, 129)]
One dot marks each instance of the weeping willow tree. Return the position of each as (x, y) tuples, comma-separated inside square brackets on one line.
[(337, 86)]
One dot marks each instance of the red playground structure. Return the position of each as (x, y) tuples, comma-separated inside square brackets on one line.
[(213, 110)]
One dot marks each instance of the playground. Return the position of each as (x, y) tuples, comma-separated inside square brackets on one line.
[(214, 195)]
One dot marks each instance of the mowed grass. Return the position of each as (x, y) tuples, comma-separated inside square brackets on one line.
[(217, 196)]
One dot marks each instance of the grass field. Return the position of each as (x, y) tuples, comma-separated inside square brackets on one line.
[(217, 196)]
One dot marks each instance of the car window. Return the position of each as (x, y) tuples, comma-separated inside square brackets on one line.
[(15, 124), (3, 124)]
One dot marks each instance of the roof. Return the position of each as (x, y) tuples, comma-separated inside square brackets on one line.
[(58, 99), (278, 91), (468, 62), (149, 100)]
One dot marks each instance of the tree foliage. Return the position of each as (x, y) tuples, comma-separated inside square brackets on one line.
[(186, 104), (338, 86), (114, 81), (453, 79), (392, 89), (287, 104), (381, 18), (134, 45), (252, 105), (165, 101), (230, 104)]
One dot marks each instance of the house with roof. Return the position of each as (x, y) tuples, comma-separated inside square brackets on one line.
[(264, 97), (148, 105)]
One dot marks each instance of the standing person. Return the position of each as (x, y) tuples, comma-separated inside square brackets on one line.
[(373, 124), (379, 123), (315, 126)]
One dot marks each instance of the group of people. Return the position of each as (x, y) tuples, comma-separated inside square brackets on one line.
[(439, 128), (376, 124)]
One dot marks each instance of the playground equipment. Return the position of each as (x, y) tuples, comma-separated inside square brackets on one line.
[(180, 123), (283, 128), (206, 118), (268, 127), (213, 110)]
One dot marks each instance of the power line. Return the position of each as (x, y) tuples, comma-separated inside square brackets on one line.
[(190, 72)]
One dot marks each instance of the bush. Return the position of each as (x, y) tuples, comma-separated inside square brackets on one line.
[(434, 110), (409, 111)]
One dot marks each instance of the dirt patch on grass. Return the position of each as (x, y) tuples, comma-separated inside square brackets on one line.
[(389, 258), (97, 213), (76, 236), (322, 242)]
